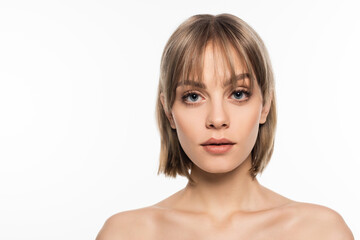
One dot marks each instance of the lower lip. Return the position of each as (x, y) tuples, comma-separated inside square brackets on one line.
[(218, 149)]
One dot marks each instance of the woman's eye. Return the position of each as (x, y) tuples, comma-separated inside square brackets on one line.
[(191, 97), (239, 95)]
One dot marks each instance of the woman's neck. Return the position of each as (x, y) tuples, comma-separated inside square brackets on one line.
[(223, 194), (220, 196)]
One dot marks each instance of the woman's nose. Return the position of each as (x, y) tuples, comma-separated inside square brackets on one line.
[(217, 116)]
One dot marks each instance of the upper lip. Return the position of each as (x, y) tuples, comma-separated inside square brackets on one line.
[(217, 141)]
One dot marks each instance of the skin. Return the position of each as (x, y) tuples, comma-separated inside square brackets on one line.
[(225, 202)]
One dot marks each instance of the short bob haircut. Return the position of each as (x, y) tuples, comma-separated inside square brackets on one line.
[(183, 58)]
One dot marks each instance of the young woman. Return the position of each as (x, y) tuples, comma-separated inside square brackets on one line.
[(216, 112)]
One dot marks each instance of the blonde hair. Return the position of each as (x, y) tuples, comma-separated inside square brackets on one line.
[(183, 55)]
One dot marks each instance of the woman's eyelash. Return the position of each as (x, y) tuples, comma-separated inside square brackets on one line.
[(188, 94), (194, 94), (243, 92)]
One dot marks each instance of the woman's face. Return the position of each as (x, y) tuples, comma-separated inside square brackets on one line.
[(218, 111)]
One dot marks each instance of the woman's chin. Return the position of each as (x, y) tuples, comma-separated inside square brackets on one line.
[(217, 168)]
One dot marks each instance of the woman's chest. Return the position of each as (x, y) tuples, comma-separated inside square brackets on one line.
[(240, 227)]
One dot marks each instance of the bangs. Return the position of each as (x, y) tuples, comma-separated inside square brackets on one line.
[(226, 48)]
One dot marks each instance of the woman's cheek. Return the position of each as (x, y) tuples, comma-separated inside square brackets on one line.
[(187, 123), (253, 126), (246, 123)]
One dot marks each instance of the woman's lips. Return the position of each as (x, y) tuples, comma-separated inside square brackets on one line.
[(218, 149)]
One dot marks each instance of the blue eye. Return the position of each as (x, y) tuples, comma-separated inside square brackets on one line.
[(191, 96), (239, 94)]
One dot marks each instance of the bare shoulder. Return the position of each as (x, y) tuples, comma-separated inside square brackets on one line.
[(315, 221), (128, 225)]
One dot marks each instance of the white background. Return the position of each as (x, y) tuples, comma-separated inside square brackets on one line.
[(78, 81)]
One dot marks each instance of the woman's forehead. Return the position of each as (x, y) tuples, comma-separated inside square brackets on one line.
[(225, 66), (222, 66), (243, 79)]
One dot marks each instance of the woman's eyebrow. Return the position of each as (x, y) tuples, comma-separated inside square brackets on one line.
[(189, 82)]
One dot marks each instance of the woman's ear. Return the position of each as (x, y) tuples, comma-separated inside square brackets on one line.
[(168, 115), (265, 111)]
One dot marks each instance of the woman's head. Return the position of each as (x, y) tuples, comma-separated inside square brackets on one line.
[(195, 103)]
